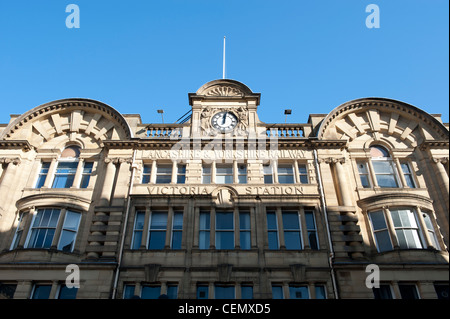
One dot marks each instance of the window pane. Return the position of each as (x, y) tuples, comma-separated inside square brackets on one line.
[(365, 181), (242, 179), (271, 221), (268, 179), (206, 170), (224, 179), (41, 292), (312, 237), (164, 170), (178, 220), (302, 169), (67, 240), (224, 220), (172, 292), (159, 220), (205, 221), (292, 240), (224, 240), (383, 241), (387, 181), (128, 291), (246, 292), (245, 240), (320, 292), (150, 292), (67, 293), (384, 292), (224, 170), (408, 291), (405, 168), (273, 240), (244, 221), (303, 179), (163, 179), (298, 292), (224, 292), (277, 292), (267, 170), (140, 219), (378, 221), (206, 179), (72, 220), (310, 221), (382, 167), (202, 292), (157, 240), (285, 179), (204, 237), (290, 220), (137, 240), (285, 170), (176, 239), (378, 151)]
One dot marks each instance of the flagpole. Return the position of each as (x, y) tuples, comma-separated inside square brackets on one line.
[(223, 76)]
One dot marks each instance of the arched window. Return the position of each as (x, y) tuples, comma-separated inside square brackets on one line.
[(67, 167), (384, 169)]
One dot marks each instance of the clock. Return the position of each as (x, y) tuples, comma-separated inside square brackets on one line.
[(224, 121)]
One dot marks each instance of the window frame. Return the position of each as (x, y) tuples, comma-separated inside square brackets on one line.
[(286, 165), (164, 175), (224, 231)]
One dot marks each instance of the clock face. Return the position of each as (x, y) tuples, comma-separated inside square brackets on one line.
[(224, 121)]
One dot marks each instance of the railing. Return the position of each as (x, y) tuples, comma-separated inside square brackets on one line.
[(288, 130), (165, 130)]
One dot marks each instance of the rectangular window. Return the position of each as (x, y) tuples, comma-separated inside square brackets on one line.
[(150, 292), (224, 230), (86, 175), (224, 174), (277, 292), (430, 229), (303, 174), (242, 174), (321, 292), (202, 292), (384, 292), (65, 173), (292, 231), (41, 291), (206, 174), (19, 232), (311, 228), (381, 232), (406, 228), (298, 292), (146, 173), (363, 174), (158, 226), (407, 173), (244, 225), (224, 292), (246, 292), (181, 174), (42, 174), (43, 228), (442, 291), (285, 174), (67, 293), (205, 228), (272, 228), (268, 174), (69, 231), (7, 291), (163, 174), (172, 291), (408, 291), (385, 174), (138, 229), (128, 291), (177, 230)]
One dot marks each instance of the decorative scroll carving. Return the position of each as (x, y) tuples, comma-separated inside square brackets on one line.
[(6, 160), (224, 91)]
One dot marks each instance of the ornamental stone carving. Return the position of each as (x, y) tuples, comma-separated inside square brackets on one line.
[(224, 91)]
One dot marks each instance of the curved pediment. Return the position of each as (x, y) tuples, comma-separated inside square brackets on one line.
[(63, 117), (400, 120)]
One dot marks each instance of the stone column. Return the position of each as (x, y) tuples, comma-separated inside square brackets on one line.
[(442, 174), (78, 174), (51, 173), (342, 181), (391, 227), (424, 228), (108, 181), (8, 180)]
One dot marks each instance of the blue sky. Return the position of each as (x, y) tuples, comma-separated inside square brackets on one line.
[(139, 56)]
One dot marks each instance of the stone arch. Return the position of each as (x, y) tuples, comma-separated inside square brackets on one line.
[(381, 117), (73, 117)]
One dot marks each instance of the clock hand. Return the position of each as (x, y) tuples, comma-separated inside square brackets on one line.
[(224, 118)]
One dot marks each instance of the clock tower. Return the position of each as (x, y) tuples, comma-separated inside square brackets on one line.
[(225, 107)]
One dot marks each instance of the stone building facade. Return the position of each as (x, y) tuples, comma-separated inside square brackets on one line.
[(224, 205)]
